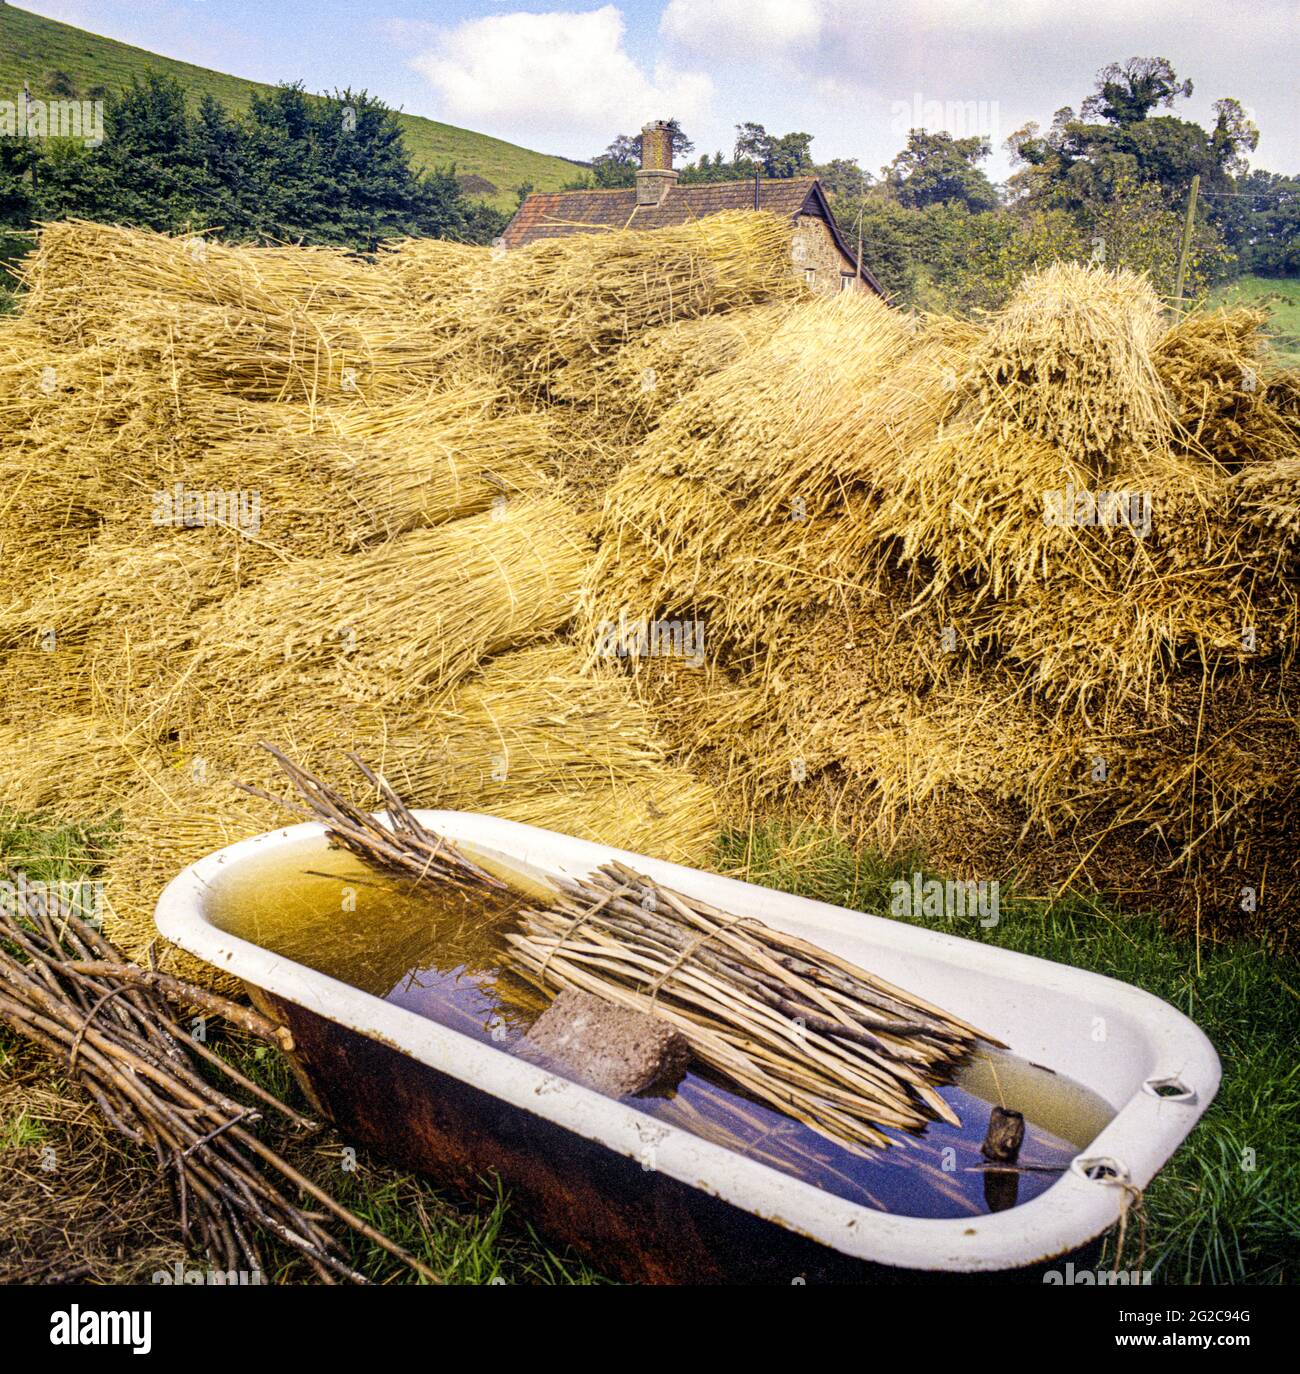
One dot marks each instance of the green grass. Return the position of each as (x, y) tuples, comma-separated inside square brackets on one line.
[(1281, 297), (32, 49), (1210, 1219)]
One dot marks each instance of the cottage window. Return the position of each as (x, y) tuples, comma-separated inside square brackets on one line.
[(846, 281), (810, 275)]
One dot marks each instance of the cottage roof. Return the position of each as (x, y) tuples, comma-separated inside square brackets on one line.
[(557, 214)]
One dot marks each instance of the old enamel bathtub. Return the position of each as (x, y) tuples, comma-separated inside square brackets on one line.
[(462, 1110)]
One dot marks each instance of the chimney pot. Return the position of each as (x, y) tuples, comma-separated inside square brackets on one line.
[(656, 175)]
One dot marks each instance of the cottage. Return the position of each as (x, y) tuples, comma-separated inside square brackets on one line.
[(821, 255)]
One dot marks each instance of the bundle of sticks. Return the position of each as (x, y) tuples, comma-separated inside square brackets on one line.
[(794, 1025), (401, 844), (817, 1037), (64, 988)]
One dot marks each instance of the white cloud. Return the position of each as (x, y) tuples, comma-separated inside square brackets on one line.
[(734, 29), (560, 79), (784, 28), (855, 72)]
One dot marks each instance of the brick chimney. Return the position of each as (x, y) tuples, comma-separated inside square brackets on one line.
[(656, 174)]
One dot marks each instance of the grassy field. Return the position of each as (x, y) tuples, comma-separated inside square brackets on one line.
[(1281, 297), (1222, 1211), (32, 49)]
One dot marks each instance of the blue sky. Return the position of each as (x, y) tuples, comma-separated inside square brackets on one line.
[(564, 78)]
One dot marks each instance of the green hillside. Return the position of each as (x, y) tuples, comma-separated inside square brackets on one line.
[(36, 50)]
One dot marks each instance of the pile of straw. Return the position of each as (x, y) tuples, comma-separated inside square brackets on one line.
[(932, 657), (560, 301), (852, 505), (408, 535)]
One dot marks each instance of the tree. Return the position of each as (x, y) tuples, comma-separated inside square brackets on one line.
[(1127, 92), (219, 152), (617, 165), (314, 169), (842, 177), (790, 155), (1260, 223), (1115, 138), (1234, 135), (938, 169), (753, 143), (141, 174)]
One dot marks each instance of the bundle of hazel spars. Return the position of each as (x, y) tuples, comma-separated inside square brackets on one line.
[(115, 1029), (813, 1035), (793, 1025)]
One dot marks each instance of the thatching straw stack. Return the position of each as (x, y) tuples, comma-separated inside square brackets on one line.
[(745, 504), (854, 505), (559, 301), (405, 529), (945, 652), (1069, 359)]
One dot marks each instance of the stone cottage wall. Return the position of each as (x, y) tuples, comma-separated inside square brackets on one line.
[(815, 250)]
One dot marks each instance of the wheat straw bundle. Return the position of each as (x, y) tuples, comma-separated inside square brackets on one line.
[(413, 615), (541, 737), (668, 813), (832, 677), (133, 610), (73, 768), (559, 300), (82, 273), (41, 540), (421, 462), (319, 279), (270, 324), (1070, 358), (1216, 368), (431, 272), (978, 500), (747, 501), (529, 720), (655, 369), (42, 681), (1095, 593), (1269, 494)]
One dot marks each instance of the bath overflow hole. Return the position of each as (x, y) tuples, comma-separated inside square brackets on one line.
[(1100, 1169), (1172, 1088)]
